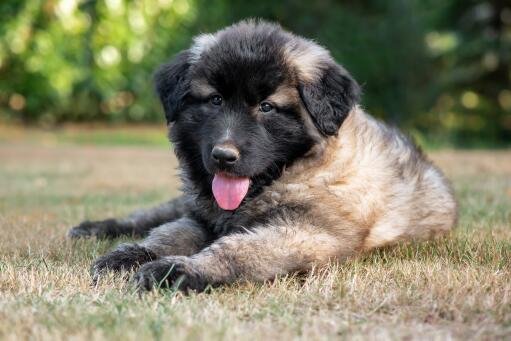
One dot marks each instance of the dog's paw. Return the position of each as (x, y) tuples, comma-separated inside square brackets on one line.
[(126, 257), (109, 228), (86, 229), (170, 272)]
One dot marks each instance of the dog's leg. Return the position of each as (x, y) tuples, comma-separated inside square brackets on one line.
[(181, 237), (137, 224), (258, 255)]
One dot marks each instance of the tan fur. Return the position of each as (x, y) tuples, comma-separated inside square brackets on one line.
[(307, 57), (277, 249), (201, 88), (365, 188), (369, 179), (284, 95)]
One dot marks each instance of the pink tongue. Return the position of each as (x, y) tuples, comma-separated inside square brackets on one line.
[(229, 191)]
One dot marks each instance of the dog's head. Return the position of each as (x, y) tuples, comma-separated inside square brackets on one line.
[(248, 100)]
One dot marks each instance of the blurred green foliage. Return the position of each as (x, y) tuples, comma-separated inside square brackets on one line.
[(439, 68)]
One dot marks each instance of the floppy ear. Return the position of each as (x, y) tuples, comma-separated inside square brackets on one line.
[(172, 84), (330, 98)]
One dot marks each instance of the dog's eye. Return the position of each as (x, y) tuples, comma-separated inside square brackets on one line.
[(216, 100), (266, 107)]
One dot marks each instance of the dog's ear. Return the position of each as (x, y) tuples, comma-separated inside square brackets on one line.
[(330, 98), (172, 84)]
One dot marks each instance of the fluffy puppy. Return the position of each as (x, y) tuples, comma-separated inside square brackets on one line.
[(282, 170)]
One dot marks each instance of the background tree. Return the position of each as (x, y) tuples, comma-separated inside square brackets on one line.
[(439, 68)]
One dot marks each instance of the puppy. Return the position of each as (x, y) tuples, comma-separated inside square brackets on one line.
[(281, 169)]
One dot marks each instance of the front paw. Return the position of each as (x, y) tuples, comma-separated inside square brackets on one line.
[(109, 228), (170, 272), (125, 258)]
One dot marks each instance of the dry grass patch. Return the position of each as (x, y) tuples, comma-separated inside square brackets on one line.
[(454, 287)]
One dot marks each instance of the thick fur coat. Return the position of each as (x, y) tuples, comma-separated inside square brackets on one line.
[(255, 104)]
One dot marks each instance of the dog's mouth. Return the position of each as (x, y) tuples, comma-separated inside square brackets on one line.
[(229, 191)]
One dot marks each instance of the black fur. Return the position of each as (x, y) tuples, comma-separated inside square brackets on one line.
[(137, 224), (165, 273), (108, 228), (330, 99), (246, 65), (244, 77), (172, 84), (125, 257)]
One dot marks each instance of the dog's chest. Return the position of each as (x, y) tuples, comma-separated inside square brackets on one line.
[(274, 204)]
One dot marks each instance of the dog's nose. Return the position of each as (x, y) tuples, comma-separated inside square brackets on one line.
[(225, 154)]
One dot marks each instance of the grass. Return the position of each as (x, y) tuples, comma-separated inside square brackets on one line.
[(98, 135), (456, 287)]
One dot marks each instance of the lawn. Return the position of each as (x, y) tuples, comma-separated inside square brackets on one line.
[(455, 287)]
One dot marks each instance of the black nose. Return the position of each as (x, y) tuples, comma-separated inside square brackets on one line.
[(225, 154)]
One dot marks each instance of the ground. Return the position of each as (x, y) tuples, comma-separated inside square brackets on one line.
[(455, 287)]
